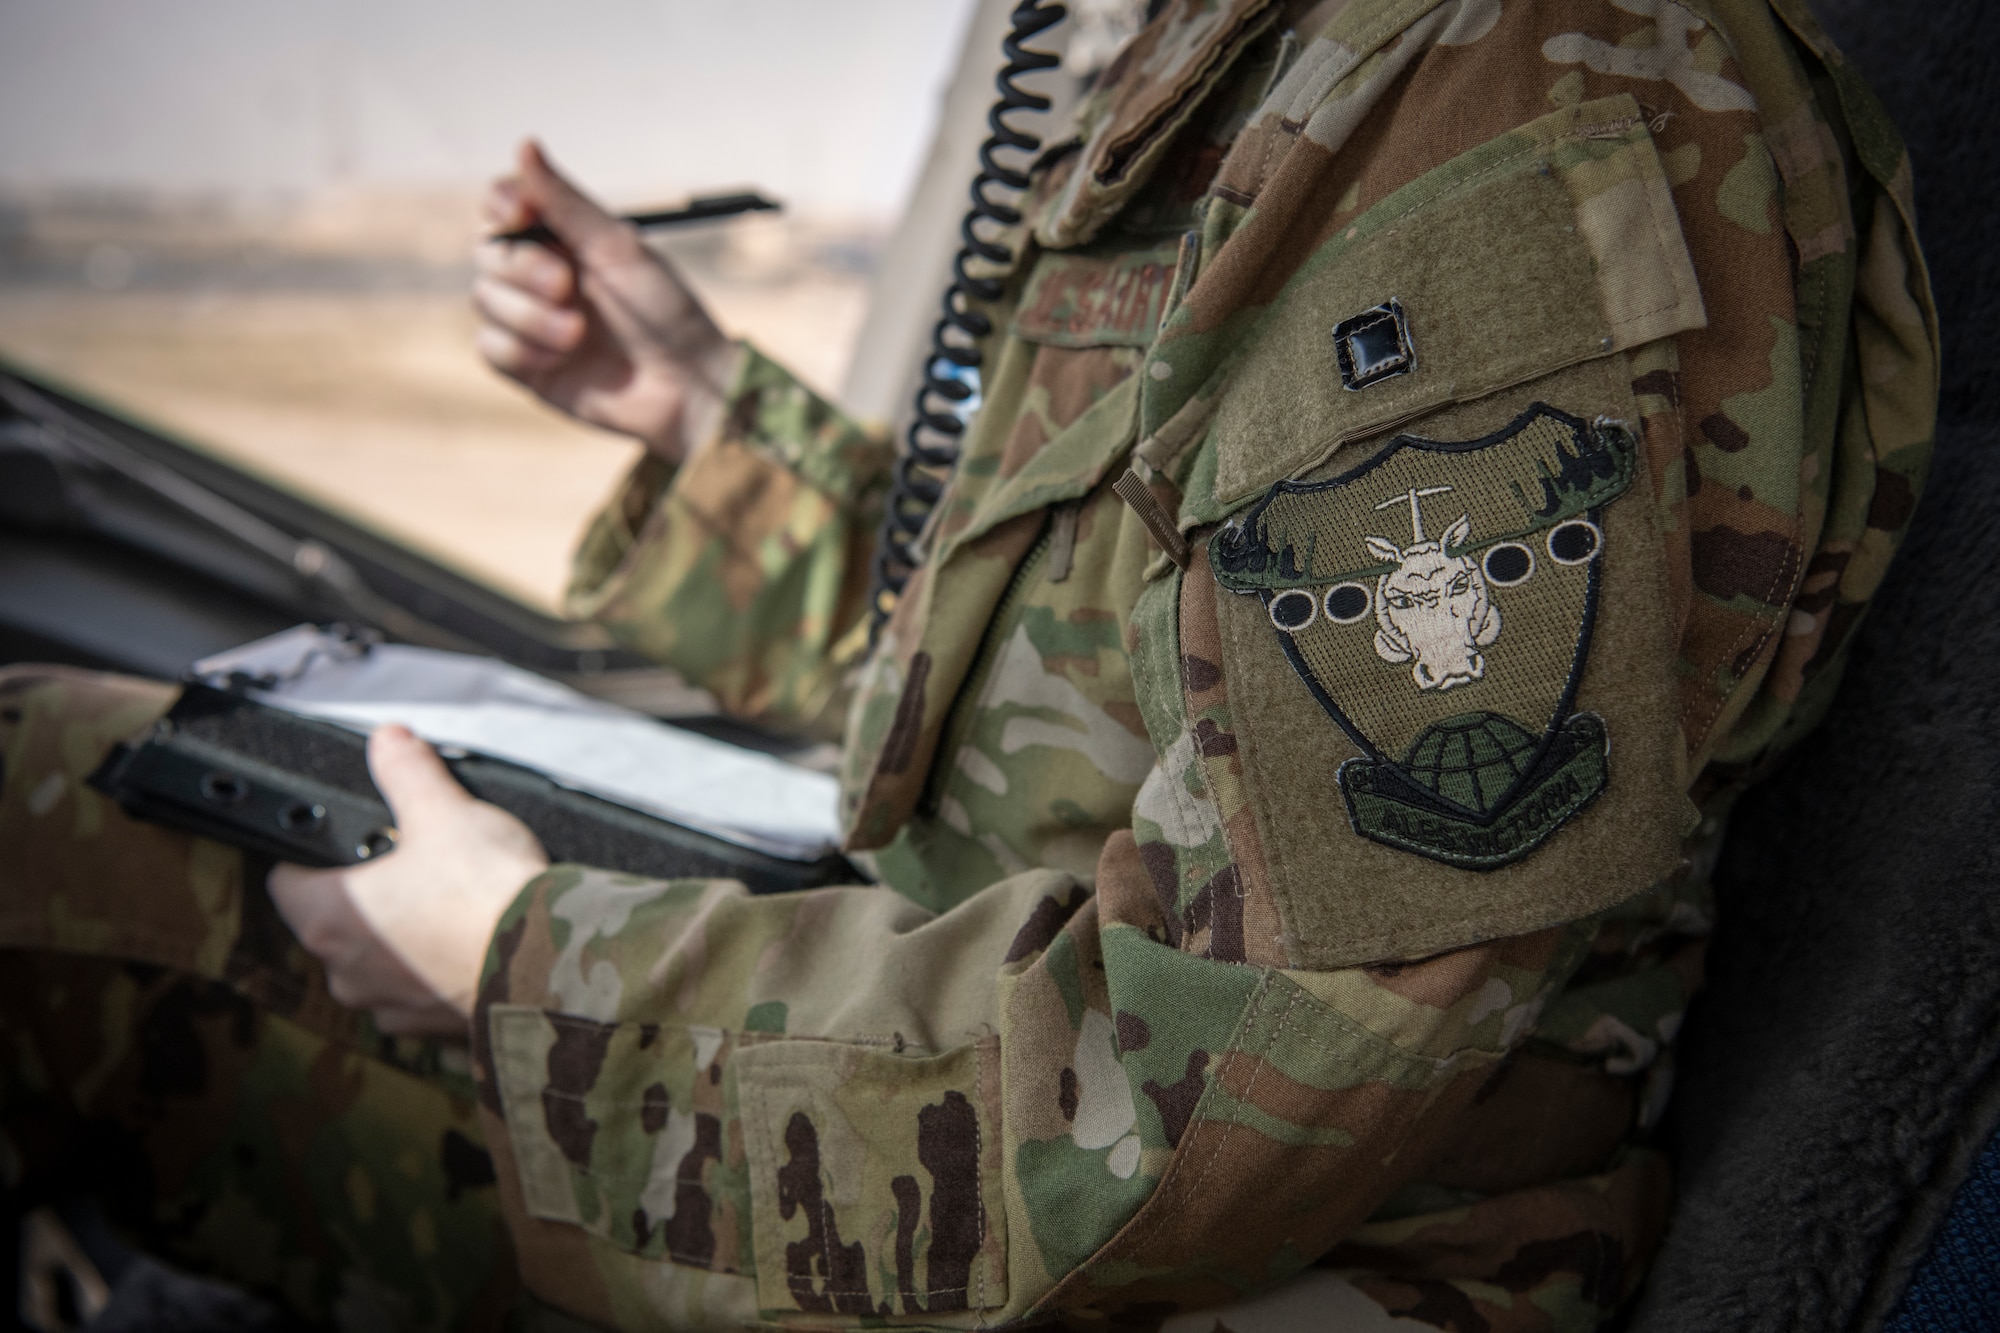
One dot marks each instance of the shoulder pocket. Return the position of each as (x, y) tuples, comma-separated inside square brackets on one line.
[(624, 1129), (1555, 244), (1432, 672), (875, 1178), (844, 1179)]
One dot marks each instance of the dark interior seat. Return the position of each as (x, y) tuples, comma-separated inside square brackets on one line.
[(1840, 1076)]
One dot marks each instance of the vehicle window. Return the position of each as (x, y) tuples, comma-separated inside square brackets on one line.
[(250, 225)]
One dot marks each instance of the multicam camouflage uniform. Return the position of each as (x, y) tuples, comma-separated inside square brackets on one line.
[(1283, 912)]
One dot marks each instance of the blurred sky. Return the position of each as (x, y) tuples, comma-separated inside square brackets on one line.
[(829, 106)]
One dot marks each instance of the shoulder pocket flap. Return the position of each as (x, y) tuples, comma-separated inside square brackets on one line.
[(875, 1178), (522, 1038), (1553, 244), (622, 1129)]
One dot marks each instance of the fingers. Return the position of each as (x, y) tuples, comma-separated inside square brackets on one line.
[(567, 211), (515, 357), (360, 972), (527, 329), (522, 295), (405, 934), (413, 780), (533, 320), (314, 903), (537, 192), (535, 269), (320, 910), (504, 208)]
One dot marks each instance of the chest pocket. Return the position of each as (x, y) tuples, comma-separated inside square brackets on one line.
[(1060, 414), (1437, 607), (1113, 299), (1060, 397)]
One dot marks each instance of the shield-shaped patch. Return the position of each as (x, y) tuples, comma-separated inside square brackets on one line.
[(1438, 599)]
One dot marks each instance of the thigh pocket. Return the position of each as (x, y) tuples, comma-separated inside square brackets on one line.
[(875, 1178)]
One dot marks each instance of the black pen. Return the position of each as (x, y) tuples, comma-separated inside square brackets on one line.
[(695, 210)]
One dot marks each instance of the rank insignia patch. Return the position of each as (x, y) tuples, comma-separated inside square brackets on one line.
[(1374, 345), (1438, 600)]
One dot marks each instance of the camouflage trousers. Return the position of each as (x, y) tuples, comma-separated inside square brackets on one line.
[(168, 1046)]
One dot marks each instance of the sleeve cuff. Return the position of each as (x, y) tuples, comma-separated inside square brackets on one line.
[(773, 412)]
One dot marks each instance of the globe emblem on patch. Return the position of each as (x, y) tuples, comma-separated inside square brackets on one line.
[(1474, 760)]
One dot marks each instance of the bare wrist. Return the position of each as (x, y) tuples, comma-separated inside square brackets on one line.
[(705, 402)]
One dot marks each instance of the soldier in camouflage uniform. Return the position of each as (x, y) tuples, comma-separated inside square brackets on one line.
[(1430, 461)]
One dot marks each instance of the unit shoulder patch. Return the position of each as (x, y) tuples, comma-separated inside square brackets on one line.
[(1450, 658)]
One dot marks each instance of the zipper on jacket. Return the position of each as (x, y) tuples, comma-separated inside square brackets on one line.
[(1062, 540), (965, 704)]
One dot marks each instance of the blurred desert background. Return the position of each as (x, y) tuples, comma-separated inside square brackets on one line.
[(251, 225), (331, 350)]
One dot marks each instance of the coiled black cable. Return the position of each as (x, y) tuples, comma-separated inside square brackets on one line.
[(931, 445)]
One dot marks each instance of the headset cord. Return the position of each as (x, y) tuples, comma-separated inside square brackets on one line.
[(951, 368)]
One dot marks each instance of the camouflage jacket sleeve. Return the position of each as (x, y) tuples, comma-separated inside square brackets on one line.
[(745, 569), (710, 1104), (1444, 642)]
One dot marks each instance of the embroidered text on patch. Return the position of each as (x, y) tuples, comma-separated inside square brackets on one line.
[(1451, 659)]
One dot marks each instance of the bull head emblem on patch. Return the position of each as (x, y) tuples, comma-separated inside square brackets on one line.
[(1433, 609), (1483, 760)]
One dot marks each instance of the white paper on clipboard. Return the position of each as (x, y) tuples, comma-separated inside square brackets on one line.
[(491, 708)]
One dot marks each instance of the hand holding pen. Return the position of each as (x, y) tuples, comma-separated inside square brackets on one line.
[(591, 320)]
